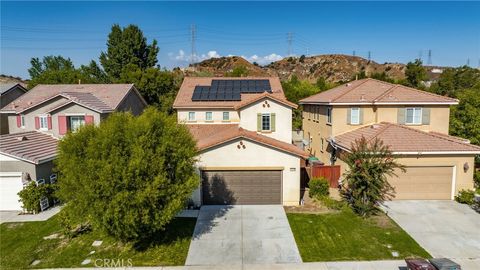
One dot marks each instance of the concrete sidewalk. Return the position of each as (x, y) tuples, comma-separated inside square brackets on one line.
[(349, 265), (14, 216)]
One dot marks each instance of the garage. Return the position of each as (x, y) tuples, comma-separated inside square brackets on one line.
[(423, 183), (242, 187), (11, 184)]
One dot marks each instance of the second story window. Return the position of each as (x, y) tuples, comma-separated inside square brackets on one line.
[(226, 116), (208, 116), (43, 122), (355, 116), (22, 121), (75, 122), (266, 122), (413, 116), (329, 115), (191, 116)]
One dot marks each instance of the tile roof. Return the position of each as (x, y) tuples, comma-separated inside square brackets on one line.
[(262, 96), (369, 91), (210, 135), (4, 87), (184, 96), (405, 139), (32, 146), (100, 97)]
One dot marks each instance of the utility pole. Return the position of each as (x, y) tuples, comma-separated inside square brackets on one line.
[(193, 37), (429, 62), (290, 41)]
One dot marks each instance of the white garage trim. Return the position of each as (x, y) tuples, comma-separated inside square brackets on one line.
[(10, 174), (454, 180)]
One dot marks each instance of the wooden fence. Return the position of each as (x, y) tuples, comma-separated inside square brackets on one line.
[(332, 173)]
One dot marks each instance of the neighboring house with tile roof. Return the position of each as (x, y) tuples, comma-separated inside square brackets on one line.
[(8, 93), (413, 123), (243, 129), (46, 113)]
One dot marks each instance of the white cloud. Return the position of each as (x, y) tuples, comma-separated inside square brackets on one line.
[(182, 58)]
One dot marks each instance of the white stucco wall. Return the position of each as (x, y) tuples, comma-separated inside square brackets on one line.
[(283, 121), (256, 156), (217, 116)]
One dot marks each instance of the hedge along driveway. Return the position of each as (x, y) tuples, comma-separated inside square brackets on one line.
[(344, 236)]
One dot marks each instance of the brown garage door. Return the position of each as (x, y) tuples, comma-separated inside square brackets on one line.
[(242, 187), (423, 183)]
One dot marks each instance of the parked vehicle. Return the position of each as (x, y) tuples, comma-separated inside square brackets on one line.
[(419, 264), (445, 264)]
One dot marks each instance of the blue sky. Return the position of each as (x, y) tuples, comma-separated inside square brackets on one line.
[(391, 31)]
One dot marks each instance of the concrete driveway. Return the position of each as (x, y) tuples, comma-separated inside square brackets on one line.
[(443, 228), (246, 234)]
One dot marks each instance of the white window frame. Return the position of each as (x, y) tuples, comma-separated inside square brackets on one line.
[(53, 178), (191, 116), (329, 115), (226, 118), (40, 181), (44, 204), (357, 120), (41, 120), (269, 122), (207, 114), (70, 122), (417, 114), (22, 121)]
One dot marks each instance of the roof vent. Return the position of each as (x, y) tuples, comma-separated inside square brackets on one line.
[(374, 126), (22, 138), (362, 97), (348, 84)]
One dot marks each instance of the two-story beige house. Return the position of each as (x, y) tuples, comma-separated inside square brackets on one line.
[(243, 129), (413, 123), (36, 121)]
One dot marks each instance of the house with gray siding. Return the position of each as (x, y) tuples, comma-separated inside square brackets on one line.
[(8, 93), (38, 119)]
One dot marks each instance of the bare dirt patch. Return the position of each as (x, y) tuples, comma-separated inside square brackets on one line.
[(311, 206)]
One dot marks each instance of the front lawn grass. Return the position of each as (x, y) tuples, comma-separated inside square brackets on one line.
[(22, 243), (344, 236)]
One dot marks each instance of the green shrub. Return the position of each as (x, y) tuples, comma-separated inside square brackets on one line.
[(318, 187), (465, 196), (30, 196), (476, 179)]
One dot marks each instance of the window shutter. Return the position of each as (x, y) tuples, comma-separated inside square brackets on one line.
[(49, 121), (88, 119), (349, 116), (272, 122), (259, 122), (401, 116), (19, 121), (37, 122), (426, 116), (360, 121), (62, 124)]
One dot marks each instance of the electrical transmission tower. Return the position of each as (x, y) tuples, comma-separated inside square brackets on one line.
[(193, 37), (290, 41), (468, 62), (429, 62), (369, 56), (354, 53), (420, 55)]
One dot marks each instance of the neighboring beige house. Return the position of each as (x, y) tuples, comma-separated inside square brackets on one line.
[(43, 115), (8, 93), (243, 128), (412, 122)]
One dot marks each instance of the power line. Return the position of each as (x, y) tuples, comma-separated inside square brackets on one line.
[(290, 41)]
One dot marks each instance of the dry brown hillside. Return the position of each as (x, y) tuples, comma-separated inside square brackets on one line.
[(333, 67), (11, 79)]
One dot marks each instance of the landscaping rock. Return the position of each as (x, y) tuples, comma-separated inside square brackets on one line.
[(53, 236), (395, 254), (35, 262), (97, 243), (91, 252), (389, 246), (86, 261)]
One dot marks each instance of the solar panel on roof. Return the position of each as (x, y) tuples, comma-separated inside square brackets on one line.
[(229, 90)]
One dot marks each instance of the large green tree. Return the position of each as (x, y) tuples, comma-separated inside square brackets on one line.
[(465, 117), (127, 46), (453, 80), (415, 73), (128, 176), (365, 184)]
